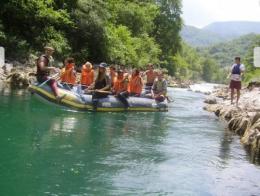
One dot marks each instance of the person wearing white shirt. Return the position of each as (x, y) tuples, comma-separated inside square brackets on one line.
[(237, 71)]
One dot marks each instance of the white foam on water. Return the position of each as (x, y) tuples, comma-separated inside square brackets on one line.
[(204, 87)]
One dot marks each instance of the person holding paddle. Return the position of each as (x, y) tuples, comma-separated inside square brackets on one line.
[(101, 87), (44, 67)]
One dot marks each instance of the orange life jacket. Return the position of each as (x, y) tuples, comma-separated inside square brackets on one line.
[(120, 85), (87, 76), (135, 85), (67, 75), (113, 78)]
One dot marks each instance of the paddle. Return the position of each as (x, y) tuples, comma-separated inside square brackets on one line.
[(100, 91), (55, 75)]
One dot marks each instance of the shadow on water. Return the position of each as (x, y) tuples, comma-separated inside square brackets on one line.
[(224, 151)]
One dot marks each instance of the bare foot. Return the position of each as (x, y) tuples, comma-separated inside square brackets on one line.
[(59, 98)]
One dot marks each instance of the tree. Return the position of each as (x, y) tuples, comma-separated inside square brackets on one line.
[(208, 69), (27, 23)]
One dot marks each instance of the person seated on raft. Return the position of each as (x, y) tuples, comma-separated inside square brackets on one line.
[(150, 77), (120, 84), (159, 88), (112, 74), (44, 68), (135, 86), (101, 86), (87, 75), (68, 75)]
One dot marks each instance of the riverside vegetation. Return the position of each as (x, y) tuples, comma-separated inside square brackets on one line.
[(127, 32)]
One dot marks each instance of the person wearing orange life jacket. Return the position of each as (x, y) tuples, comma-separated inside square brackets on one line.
[(87, 75), (112, 75), (120, 83), (69, 75), (135, 86), (62, 71)]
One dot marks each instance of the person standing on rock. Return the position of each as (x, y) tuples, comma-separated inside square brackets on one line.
[(237, 71), (44, 67)]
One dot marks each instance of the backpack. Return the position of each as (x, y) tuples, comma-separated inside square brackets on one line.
[(236, 69)]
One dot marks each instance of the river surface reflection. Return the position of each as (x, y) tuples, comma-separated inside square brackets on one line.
[(46, 150)]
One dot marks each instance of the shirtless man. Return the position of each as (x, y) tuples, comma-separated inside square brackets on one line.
[(150, 77)]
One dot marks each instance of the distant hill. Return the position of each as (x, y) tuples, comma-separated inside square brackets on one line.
[(218, 32), (199, 37), (233, 29), (225, 52)]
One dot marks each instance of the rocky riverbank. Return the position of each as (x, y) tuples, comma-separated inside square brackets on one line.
[(243, 119), (18, 76)]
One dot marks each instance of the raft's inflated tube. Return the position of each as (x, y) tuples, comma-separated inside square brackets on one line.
[(83, 102)]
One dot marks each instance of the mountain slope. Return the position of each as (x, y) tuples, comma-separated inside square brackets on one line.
[(233, 28), (224, 53), (218, 32), (199, 37)]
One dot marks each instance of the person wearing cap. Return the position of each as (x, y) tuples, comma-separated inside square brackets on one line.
[(235, 76), (87, 75), (44, 67), (159, 88), (101, 85)]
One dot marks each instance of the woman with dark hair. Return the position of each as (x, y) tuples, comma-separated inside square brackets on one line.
[(101, 85)]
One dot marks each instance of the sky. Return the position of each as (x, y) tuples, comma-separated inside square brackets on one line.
[(200, 13)]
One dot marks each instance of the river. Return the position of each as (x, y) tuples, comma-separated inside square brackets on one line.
[(46, 150)]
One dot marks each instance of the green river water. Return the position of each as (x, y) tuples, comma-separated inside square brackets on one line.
[(47, 150)]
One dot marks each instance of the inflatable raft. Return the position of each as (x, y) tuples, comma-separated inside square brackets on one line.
[(75, 99)]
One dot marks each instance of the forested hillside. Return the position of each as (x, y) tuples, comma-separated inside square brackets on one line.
[(130, 32), (116, 31), (218, 32), (195, 66), (223, 54), (200, 37)]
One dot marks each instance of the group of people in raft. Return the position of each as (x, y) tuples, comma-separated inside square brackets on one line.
[(118, 82)]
